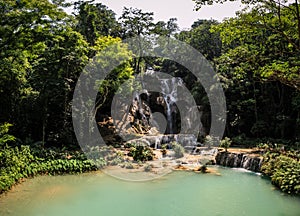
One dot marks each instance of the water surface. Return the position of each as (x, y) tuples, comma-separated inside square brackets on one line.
[(234, 193)]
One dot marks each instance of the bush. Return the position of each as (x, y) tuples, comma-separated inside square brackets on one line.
[(178, 150), (283, 170), (164, 150), (141, 153), (225, 143), (15, 165)]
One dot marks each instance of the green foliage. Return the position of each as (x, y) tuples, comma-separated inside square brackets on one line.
[(136, 23), (141, 153), (14, 165), (166, 29), (259, 129), (203, 39), (284, 170), (259, 68), (116, 53), (129, 145), (5, 138), (107, 154), (95, 20), (265, 42), (178, 150), (164, 150), (225, 143), (41, 57), (20, 162)]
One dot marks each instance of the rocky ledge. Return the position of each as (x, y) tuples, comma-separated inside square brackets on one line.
[(244, 160)]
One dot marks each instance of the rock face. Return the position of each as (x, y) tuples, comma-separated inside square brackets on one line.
[(241, 160)]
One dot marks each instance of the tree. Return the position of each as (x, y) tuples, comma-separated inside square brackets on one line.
[(139, 24), (54, 76), (270, 33), (166, 29), (115, 50), (95, 20), (24, 25), (41, 57), (135, 22), (203, 39), (260, 70)]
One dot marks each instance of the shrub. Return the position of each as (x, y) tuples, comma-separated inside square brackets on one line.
[(128, 145), (287, 175), (15, 164), (141, 153), (164, 150), (178, 150), (283, 170), (225, 143)]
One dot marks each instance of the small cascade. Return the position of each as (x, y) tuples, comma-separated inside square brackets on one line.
[(240, 160), (157, 142)]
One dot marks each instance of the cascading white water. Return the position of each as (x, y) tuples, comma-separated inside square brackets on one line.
[(169, 91)]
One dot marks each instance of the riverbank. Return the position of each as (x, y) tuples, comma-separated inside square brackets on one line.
[(21, 162)]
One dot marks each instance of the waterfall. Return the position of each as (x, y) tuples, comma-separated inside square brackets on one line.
[(158, 101), (169, 92)]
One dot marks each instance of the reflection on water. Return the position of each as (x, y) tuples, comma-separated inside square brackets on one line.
[(234, 193)]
